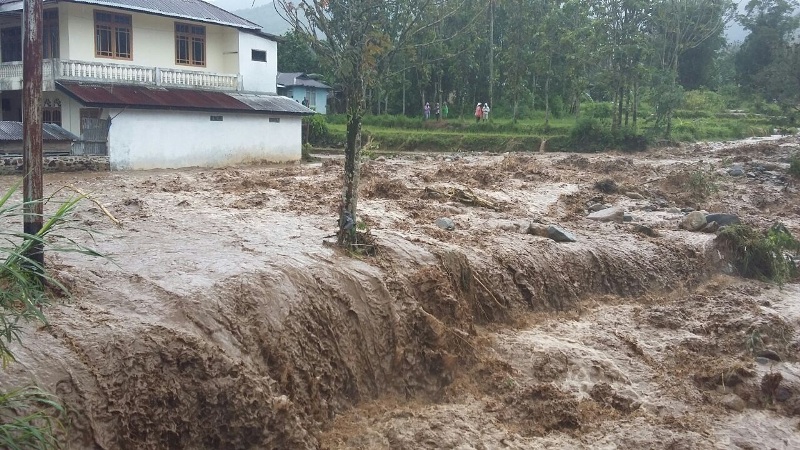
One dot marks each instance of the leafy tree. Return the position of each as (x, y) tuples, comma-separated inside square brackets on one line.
[(296, 55), (771, 26), (359, 39)]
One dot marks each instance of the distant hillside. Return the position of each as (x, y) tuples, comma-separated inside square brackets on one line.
[(266, 16)]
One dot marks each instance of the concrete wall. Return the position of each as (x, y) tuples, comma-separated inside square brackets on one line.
[(13, 164), (257, 76), (147, 139)]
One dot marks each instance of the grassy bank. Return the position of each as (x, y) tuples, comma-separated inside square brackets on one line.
[(400, 133)]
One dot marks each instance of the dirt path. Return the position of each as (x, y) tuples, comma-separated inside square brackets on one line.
[(221, 321)]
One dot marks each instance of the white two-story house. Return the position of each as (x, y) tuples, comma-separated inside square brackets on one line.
[(155, 83)]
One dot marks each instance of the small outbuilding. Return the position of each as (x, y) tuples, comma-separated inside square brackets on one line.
[(55, 140), (304, 88)]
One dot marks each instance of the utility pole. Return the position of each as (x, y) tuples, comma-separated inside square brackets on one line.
[(491, 54), (33, 191)]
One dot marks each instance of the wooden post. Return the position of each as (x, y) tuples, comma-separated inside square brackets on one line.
[(32, 125)]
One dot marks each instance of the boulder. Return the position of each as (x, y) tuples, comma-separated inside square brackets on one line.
[(598, 207), (627, 217), (723, 220), (559, 234), (711, 227), (674, 210), (733, 402), (736, 170), (693, 221), (608, 215), (446, 223)]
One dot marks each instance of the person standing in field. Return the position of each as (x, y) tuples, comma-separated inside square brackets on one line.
[(437, 111), (486, 112), (445, 110), (478, 113), (426, 111)]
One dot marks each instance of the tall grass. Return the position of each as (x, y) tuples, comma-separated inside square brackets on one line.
[(29, 416)]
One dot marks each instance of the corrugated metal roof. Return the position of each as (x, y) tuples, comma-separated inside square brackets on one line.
[(197, 10), (299, 79), (272, 103), (13, 131), (143, 97)]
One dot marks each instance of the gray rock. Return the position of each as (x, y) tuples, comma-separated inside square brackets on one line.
[(723, 220), (733, 402), (634, 195), (559, 234), (446, 223), (736, 171), (782, 394), (751, 175), (763, 361), (608, 215), (598, 207), (627, 217), (380, 159), (711, 227), (693, 221), (769, 354), (674, 210)]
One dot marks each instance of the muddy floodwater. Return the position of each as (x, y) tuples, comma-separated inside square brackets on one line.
[(220, 319)]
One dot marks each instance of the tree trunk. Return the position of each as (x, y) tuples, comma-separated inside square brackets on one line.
[(352, 155), (635, 102), (547, 101)]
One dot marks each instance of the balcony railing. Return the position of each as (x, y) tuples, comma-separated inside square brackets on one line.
[(57, 69)]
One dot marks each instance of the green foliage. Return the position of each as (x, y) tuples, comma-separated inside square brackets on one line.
[(598, 110), (767, 255), (592, 135), (701, 185), (794, 165), (703, 101), (29, 419), (317, 129)]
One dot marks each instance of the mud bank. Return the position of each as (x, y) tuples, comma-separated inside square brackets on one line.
[(266, 359), (222, 320)]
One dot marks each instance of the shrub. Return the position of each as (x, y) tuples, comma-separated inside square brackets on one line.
[(703, 101), (316, 129), (767, 255), (794, 165), (701, 185)]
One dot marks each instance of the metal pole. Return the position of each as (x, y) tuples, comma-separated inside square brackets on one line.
[(32, 125), (491, 55)]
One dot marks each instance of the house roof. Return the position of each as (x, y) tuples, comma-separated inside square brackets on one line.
[(13, 131), (196, 10), (299, 79), (146, 97)]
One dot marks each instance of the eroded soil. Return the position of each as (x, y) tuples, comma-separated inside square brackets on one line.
[(221, 320)]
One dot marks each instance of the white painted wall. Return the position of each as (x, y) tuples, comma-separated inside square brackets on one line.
[(153, 39), (258, 76), (147, 139)]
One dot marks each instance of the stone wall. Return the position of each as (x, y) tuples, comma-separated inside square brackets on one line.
[(13, 164)]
